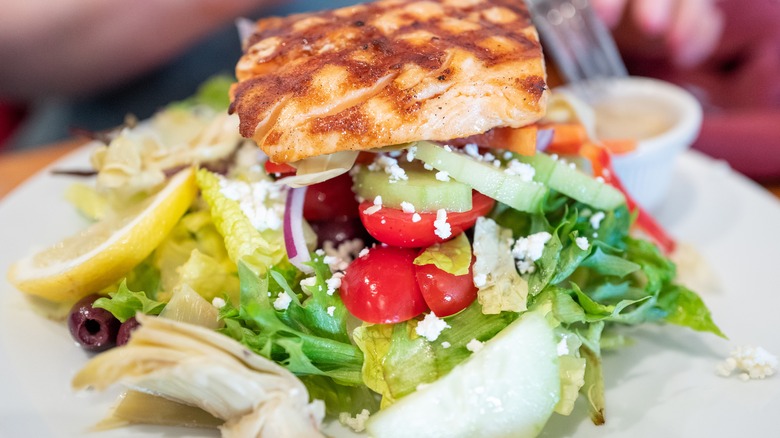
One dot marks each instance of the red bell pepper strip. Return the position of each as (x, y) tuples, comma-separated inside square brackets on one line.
[(602, 167)]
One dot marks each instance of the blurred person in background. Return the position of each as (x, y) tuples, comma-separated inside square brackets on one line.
[(727, 53), (87, 63)]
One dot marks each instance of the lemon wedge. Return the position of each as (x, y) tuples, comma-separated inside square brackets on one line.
[(96, 257)]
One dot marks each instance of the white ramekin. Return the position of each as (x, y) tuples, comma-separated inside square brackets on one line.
[(646, 172)]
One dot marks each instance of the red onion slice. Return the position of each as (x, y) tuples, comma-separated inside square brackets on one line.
[(294, 242), (543, 139)]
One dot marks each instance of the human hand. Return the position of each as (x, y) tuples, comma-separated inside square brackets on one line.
[(75, 47), (690, 29)]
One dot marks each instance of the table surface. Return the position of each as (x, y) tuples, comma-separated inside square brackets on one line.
[(15, 167)]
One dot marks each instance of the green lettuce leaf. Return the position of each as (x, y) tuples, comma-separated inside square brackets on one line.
[(214, 92), (243, 241), (264, 329), (398, 360), (124, 303), (208, 277), (686, 308), (606, 264), (572, 370), (452, 256)]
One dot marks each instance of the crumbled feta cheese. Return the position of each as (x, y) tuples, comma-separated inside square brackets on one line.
[(259, 201), (363, 252), (572, 165), (595, 220), (554, 157), (218, 302), (480, 280), (525, 171), (531, 247), (525, 266), (388, 163), (427, 166), (320, 252), (309, 282), (507, 155), (441, 227), (488, 157), (431, 327), (442, 176), (339, 258), (282, 301), (329, 259), (416, 218), (334, 283), (751, 362), (378, 200), (446, 345), (410, 153), (331, 310), (496, 163), (397, 173), (600, 179), (373, 209), (474, 346), (472, 150), (407, 207), (448, 148), (356, 423), (582, 243)]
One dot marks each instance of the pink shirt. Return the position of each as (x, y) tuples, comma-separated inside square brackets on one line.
[(739, 87)]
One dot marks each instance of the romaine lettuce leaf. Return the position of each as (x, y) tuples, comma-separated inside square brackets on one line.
[(257, 249), (452, 256), (398, 360), (684, 307), (500, 288)]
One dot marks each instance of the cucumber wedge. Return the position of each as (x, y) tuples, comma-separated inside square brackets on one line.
[(574, 183), (507, 389), (422, 190), (485, 178)]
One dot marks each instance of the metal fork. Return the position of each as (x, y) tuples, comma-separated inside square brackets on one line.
[(578, 41)]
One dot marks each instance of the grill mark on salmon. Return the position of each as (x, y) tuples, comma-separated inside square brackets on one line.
[(399, 70)]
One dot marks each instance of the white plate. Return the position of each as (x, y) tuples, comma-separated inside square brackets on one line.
[(664, 385)]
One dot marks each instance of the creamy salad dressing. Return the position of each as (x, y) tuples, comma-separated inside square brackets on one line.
[(635, 116)]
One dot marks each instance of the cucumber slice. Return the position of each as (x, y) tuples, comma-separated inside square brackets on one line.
[(484, 178), (574, 183), (422, 190), (507, 389)]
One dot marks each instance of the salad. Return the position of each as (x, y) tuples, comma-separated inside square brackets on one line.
[(425, 289)]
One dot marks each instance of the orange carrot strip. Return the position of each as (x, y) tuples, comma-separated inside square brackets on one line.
[(620, 145), (567, 138), (519, 140)]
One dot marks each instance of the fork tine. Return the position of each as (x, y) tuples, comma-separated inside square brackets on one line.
[(602, 40), (578, 41)]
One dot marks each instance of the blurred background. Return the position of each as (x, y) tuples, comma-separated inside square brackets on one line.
[(727, 53)]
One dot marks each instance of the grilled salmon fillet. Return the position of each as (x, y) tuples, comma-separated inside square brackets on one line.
[(388, 72)]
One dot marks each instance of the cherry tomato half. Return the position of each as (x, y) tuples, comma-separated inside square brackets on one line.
[(445, 294), (394, 227), (331, 199), (381, 286)]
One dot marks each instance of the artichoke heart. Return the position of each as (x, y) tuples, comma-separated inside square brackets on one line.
[(198, 367)]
